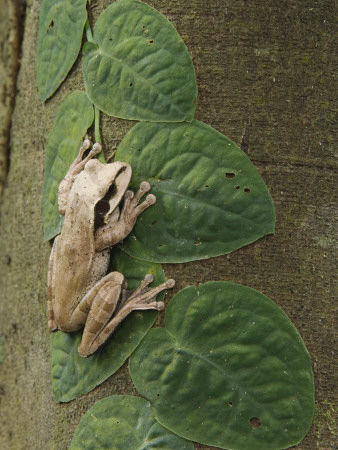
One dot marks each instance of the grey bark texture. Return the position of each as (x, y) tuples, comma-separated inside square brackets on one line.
[(266, 77)]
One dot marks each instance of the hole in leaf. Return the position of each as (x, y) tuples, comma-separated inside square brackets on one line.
[(255, 422), (238, 187), (151, 42), (206, 186), (230, 403), (143, 26), (51, 25), (131, 85), (110, 39), (247, 190), (230, 174)]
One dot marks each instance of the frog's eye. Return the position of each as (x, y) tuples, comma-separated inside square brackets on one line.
[(111, 188)]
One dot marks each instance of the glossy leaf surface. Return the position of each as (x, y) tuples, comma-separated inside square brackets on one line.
[(72, 375), (229, 370), (138, 66), (59, 40), (124, 422), (75, 116), (210, 198)]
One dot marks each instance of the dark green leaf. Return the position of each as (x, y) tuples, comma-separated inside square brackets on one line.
[(60, 34), (229, 370), (75, 116), (123, 422), (72, 375), (139, 67), (210, 198)]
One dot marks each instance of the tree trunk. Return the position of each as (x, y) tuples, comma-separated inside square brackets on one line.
[(265, 71)]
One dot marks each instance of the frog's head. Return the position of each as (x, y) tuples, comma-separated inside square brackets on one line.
[(109, 182)]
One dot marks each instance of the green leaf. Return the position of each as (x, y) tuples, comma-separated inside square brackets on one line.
[(139, 68), (72, 375), (75, 116), (124, 422), (59, 40), (210, 198), (229, 370)]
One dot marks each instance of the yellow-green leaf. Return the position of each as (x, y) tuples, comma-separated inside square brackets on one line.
[(123, 422), (59, 40), (138, 67), (75, 116), (229, 370)]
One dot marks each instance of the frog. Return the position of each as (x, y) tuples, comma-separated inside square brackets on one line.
[(99, 212)]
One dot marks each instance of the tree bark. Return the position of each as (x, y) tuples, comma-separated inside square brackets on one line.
[(265, 73)]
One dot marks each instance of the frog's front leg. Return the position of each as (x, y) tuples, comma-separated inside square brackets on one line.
[(112, 304), (116, 230), (75, 168)]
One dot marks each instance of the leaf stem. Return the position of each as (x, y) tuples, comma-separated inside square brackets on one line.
[(100, 156), (89, 33), (97, 125)]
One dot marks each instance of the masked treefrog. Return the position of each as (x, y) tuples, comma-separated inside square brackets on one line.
[(99, 212)]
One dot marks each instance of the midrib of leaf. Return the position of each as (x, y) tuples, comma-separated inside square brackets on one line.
[(206, 205), (221, 371), (144, 80)]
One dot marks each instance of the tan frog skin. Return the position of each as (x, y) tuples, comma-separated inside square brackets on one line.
[(80, 294)]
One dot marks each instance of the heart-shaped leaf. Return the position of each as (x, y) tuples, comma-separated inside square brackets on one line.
[(210, 198), (75, 116), (138, 66), (60, 34), (229, 370), (72, 375), (124, 422)]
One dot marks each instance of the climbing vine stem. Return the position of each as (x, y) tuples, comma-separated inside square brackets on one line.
[(88, 30), (97, 125)]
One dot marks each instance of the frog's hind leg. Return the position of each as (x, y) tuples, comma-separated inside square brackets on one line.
[(98, 307), (141, 299)]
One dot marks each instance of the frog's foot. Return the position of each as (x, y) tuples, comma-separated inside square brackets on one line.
[(132, 208), (144, 297), (115, 231), (79, 163), (141, 298)]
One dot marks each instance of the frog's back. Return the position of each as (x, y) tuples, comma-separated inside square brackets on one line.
[(77, 266)]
